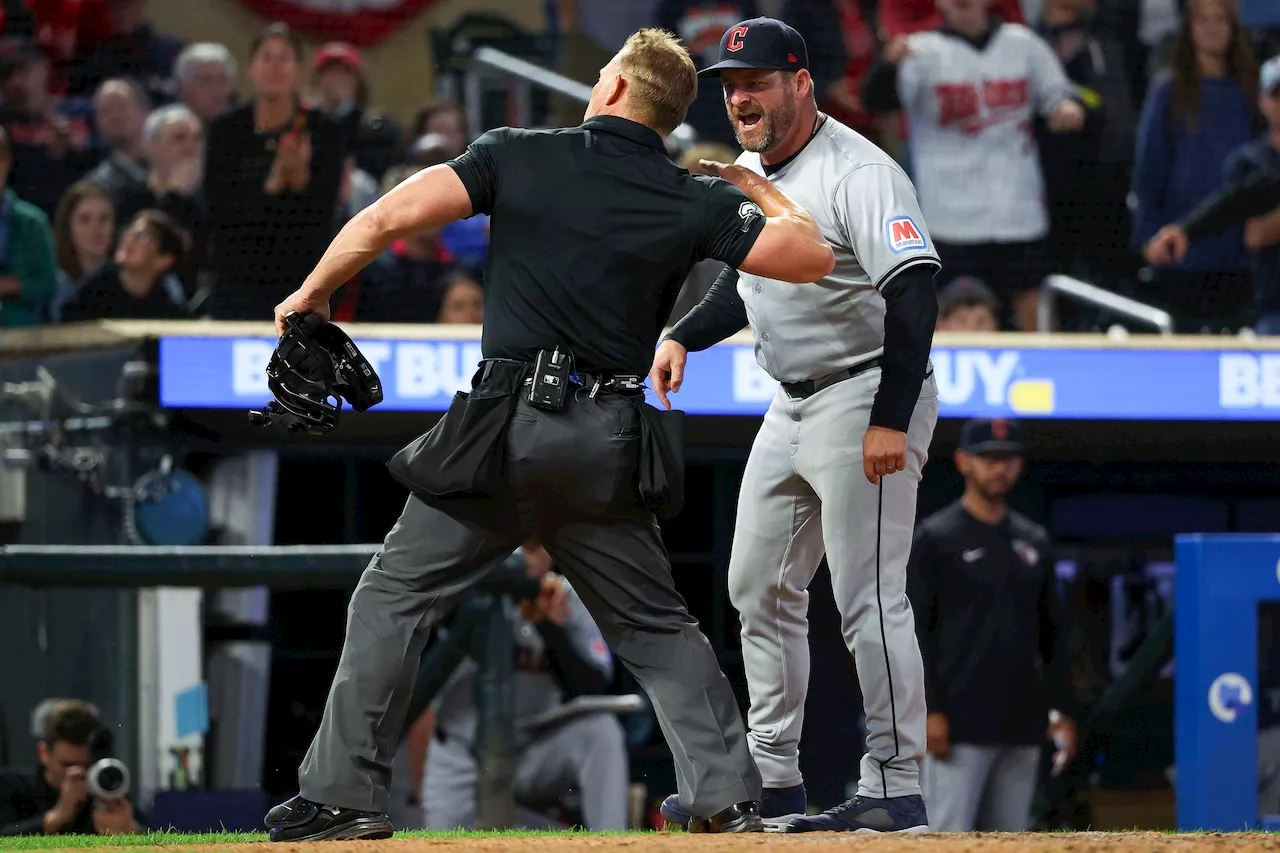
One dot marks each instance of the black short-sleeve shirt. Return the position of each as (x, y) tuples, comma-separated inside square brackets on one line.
[(592, 232)]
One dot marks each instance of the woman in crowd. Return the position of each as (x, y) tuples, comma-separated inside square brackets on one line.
[(84, 228), (1198, 111), (272, 176), (463, 300), (447, 119), (440, 132)]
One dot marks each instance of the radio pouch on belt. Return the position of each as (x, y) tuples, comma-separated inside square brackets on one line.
[(462, 455), (550, 386)]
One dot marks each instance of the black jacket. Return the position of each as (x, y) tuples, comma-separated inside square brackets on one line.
[(991, 627)]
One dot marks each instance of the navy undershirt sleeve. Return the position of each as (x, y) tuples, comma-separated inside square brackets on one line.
[(911, 312), (720, 314)]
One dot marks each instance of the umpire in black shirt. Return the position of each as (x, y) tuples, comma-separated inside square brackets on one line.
[(981, 582), (593, 230)]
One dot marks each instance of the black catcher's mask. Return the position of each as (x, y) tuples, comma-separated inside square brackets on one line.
[(314, 368)]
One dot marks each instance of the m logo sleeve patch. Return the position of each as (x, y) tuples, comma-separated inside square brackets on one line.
[(903, 235)]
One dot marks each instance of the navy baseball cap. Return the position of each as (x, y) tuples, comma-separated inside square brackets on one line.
[(991, 435), (763, 44)]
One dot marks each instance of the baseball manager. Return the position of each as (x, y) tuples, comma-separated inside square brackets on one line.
[(837, 460)]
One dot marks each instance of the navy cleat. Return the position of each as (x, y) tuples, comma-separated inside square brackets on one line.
[(862, 814), (299, 819), (774, 803)]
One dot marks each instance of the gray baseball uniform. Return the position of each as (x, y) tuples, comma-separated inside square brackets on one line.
[(586, 752), (804, 492)]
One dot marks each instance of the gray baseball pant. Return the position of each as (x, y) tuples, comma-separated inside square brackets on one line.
[(804, 493), (987, 788), (588, 754), (571, 479)]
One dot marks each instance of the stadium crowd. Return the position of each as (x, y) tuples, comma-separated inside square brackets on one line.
[(137, 183)]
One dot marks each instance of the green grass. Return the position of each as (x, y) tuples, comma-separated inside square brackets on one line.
[(170, 839)]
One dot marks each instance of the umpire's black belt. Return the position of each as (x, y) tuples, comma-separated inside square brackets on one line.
[(808, 387), (617, 383)]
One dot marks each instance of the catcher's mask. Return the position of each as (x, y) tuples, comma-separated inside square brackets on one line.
[(315, 366)]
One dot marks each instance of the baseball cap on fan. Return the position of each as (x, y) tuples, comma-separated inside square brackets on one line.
[(991, 435), (765, 44), (1269, 75)]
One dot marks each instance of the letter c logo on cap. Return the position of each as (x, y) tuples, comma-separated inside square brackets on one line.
[(736, 35)]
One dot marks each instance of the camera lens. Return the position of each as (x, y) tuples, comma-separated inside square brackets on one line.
[(108, 778)]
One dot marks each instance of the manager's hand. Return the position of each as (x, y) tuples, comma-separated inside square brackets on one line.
[(667, 372), (301, 303), (884, 451)]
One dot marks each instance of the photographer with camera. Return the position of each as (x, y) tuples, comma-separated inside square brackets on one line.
[(78, 789)]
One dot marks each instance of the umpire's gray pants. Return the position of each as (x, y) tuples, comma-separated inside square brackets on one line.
[(587, 754), (986, 788), (571, 479), (804, 493)]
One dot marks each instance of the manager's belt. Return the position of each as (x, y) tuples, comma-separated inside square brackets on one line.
[(807, 388)]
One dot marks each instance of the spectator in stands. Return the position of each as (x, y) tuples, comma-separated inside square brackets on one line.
[(983, 584), (704, 272), (134, 50), (56, 799), (121, 107), (407, 283), (52, 137), (967, 305), (463, 300), (84, 232), (1262, 233), (174, 141), (971, 93), (700, 24), (139, 284), (467, 240), (17, 19), (272, 177), (559, 655), (69, 32), (28, 271), (447, 119), (903, 17), (1195, 115), (1087, 175), (373, 138), (205, 74), (843, 48)]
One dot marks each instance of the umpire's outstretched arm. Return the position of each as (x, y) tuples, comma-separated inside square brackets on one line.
[(432, 198)]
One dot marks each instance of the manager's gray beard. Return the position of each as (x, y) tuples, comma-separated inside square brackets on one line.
[(775, 127)]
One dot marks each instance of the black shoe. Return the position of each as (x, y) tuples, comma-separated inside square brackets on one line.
[(744, 817), (300, 819)]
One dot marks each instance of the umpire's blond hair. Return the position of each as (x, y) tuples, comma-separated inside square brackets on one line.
[(661, 76)]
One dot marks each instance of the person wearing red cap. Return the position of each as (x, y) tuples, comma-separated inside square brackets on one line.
[(339, 89), (904, 17)]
